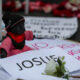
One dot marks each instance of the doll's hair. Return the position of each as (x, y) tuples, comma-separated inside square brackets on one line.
[(11, 19)]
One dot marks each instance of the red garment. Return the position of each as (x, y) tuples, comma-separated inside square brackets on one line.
[(10, 49), (17, 38)]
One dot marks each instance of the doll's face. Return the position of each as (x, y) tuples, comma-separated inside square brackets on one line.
[(18, 28)]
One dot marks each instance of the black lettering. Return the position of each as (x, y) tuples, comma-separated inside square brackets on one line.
[(35, 60), (55, 59), (52, 57), (43, 60), (27, 61), (19, 67), (47, 58)]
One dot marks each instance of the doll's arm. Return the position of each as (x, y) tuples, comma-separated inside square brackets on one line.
[(29, 35), (5, 47), (3, 53)]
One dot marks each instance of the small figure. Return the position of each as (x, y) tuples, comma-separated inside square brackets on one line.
[(14, 43)]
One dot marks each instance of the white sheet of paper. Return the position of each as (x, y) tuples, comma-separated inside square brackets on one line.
[(40, 77), (3, 73), (47, 27), (32, 63), (72, 48)]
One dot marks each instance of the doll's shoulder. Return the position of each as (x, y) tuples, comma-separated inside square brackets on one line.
[(7, 40)]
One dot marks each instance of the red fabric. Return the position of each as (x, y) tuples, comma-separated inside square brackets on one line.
[(29, 35), (17, 38), (39, 5), (11, 50), (66, 9)]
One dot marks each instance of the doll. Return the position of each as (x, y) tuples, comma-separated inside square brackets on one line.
[(14, 43)]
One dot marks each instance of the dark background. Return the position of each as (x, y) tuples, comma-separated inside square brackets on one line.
[(50, 1)]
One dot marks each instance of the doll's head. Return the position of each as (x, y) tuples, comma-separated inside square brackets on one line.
[(14, 23)]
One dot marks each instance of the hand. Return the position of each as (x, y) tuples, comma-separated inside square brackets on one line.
[(3, 53)]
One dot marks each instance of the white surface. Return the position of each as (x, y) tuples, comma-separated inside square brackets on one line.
[(40, 77), (72, 48), (3, 73), (36, 58)]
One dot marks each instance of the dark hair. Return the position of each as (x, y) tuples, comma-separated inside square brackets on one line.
[(11, 19)]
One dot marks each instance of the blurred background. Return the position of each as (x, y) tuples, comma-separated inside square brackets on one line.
[(47, 8), (35, 6)]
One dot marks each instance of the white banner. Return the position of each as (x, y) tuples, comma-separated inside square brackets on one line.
[(47, 27)]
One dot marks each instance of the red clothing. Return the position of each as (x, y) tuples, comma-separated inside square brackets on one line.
[(10, 49)]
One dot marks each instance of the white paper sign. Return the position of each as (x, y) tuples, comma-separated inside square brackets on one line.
[(46, 27), (39, 77), (32, 63), (72, 48)]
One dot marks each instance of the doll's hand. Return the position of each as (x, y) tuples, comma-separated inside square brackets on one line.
[(3, 53)]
